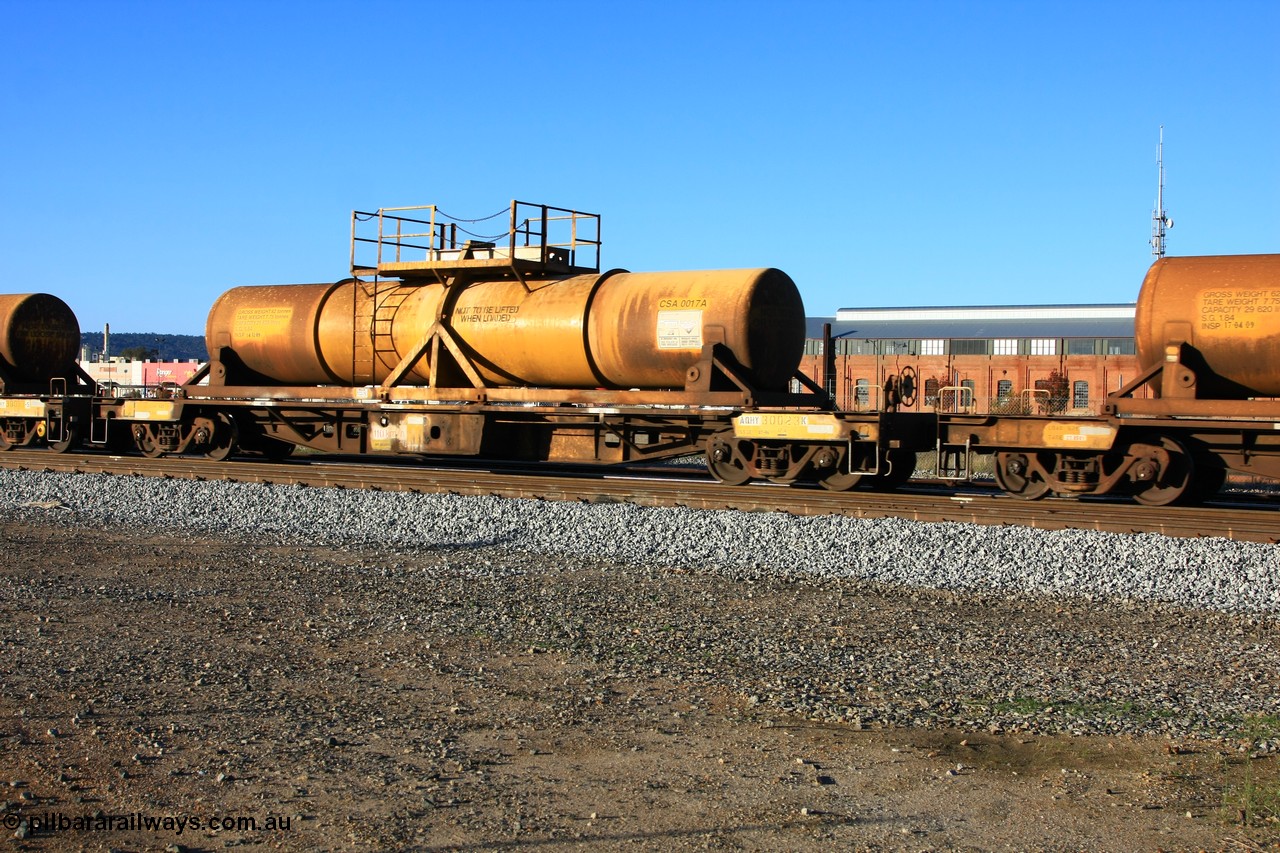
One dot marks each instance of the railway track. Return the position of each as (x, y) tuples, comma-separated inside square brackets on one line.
[(1249, 521)]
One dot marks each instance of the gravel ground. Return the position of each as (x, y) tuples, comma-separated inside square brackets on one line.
[(1195, 594), (1199, 573), (475, 669)]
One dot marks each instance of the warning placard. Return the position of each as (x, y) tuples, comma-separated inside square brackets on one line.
[(680, 330)]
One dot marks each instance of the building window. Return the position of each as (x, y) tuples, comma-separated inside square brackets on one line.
[(930, 391), (813, 346), (934, 346), (1080, 395), (1120, 346), (969, 347), (1044, 346), (1004, 346), (856, 346), (1004, 403), (1082, 346), (862, 393), (901, 347)]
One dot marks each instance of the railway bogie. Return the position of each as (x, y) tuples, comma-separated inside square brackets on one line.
[(59, 422), (1156, 461), (837, 450), (211, 434), (1156, 470), (22, 421)]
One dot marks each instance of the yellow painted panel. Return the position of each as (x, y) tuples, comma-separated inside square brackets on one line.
[(1066, 435), (149, 410), (818, 427), (22, 408)]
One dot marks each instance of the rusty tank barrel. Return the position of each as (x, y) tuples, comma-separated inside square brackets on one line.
[(615, 330), (39, 337), (1228, 308)]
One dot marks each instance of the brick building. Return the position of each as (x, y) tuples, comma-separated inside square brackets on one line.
[(981, 359)]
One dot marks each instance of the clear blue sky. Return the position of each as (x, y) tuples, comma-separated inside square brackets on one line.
[(156, 154)]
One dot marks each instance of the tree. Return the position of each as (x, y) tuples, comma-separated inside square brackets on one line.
[(1058, 387), (139, 353)]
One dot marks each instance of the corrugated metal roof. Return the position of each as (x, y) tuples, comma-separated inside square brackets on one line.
[(1117, 311), (1033, 321)]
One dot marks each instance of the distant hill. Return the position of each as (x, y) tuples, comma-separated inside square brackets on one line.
[(164, 347)]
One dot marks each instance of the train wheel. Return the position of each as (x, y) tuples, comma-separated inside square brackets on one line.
[(1015, 477), (1164, 473), (902, 464), (70, 440), (223, 441), (146, 442), (5, 443), (725, 461), (825, 462), (841, 482)]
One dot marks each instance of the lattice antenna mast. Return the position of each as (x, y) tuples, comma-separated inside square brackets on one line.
[(1160, 221)]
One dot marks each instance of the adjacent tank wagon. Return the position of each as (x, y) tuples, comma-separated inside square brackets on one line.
[(44, 395), (1220, 314), (1208, 337), (39, 339)]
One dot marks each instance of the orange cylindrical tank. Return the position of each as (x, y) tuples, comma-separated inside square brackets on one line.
[(646, 326), (616, 330), (39, 337), (1228, 308)]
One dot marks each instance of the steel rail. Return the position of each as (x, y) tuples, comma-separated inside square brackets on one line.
[(1251, 522)]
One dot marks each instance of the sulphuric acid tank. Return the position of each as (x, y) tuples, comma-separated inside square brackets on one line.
[(39, 337), (1228, 308), (614, 330)]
